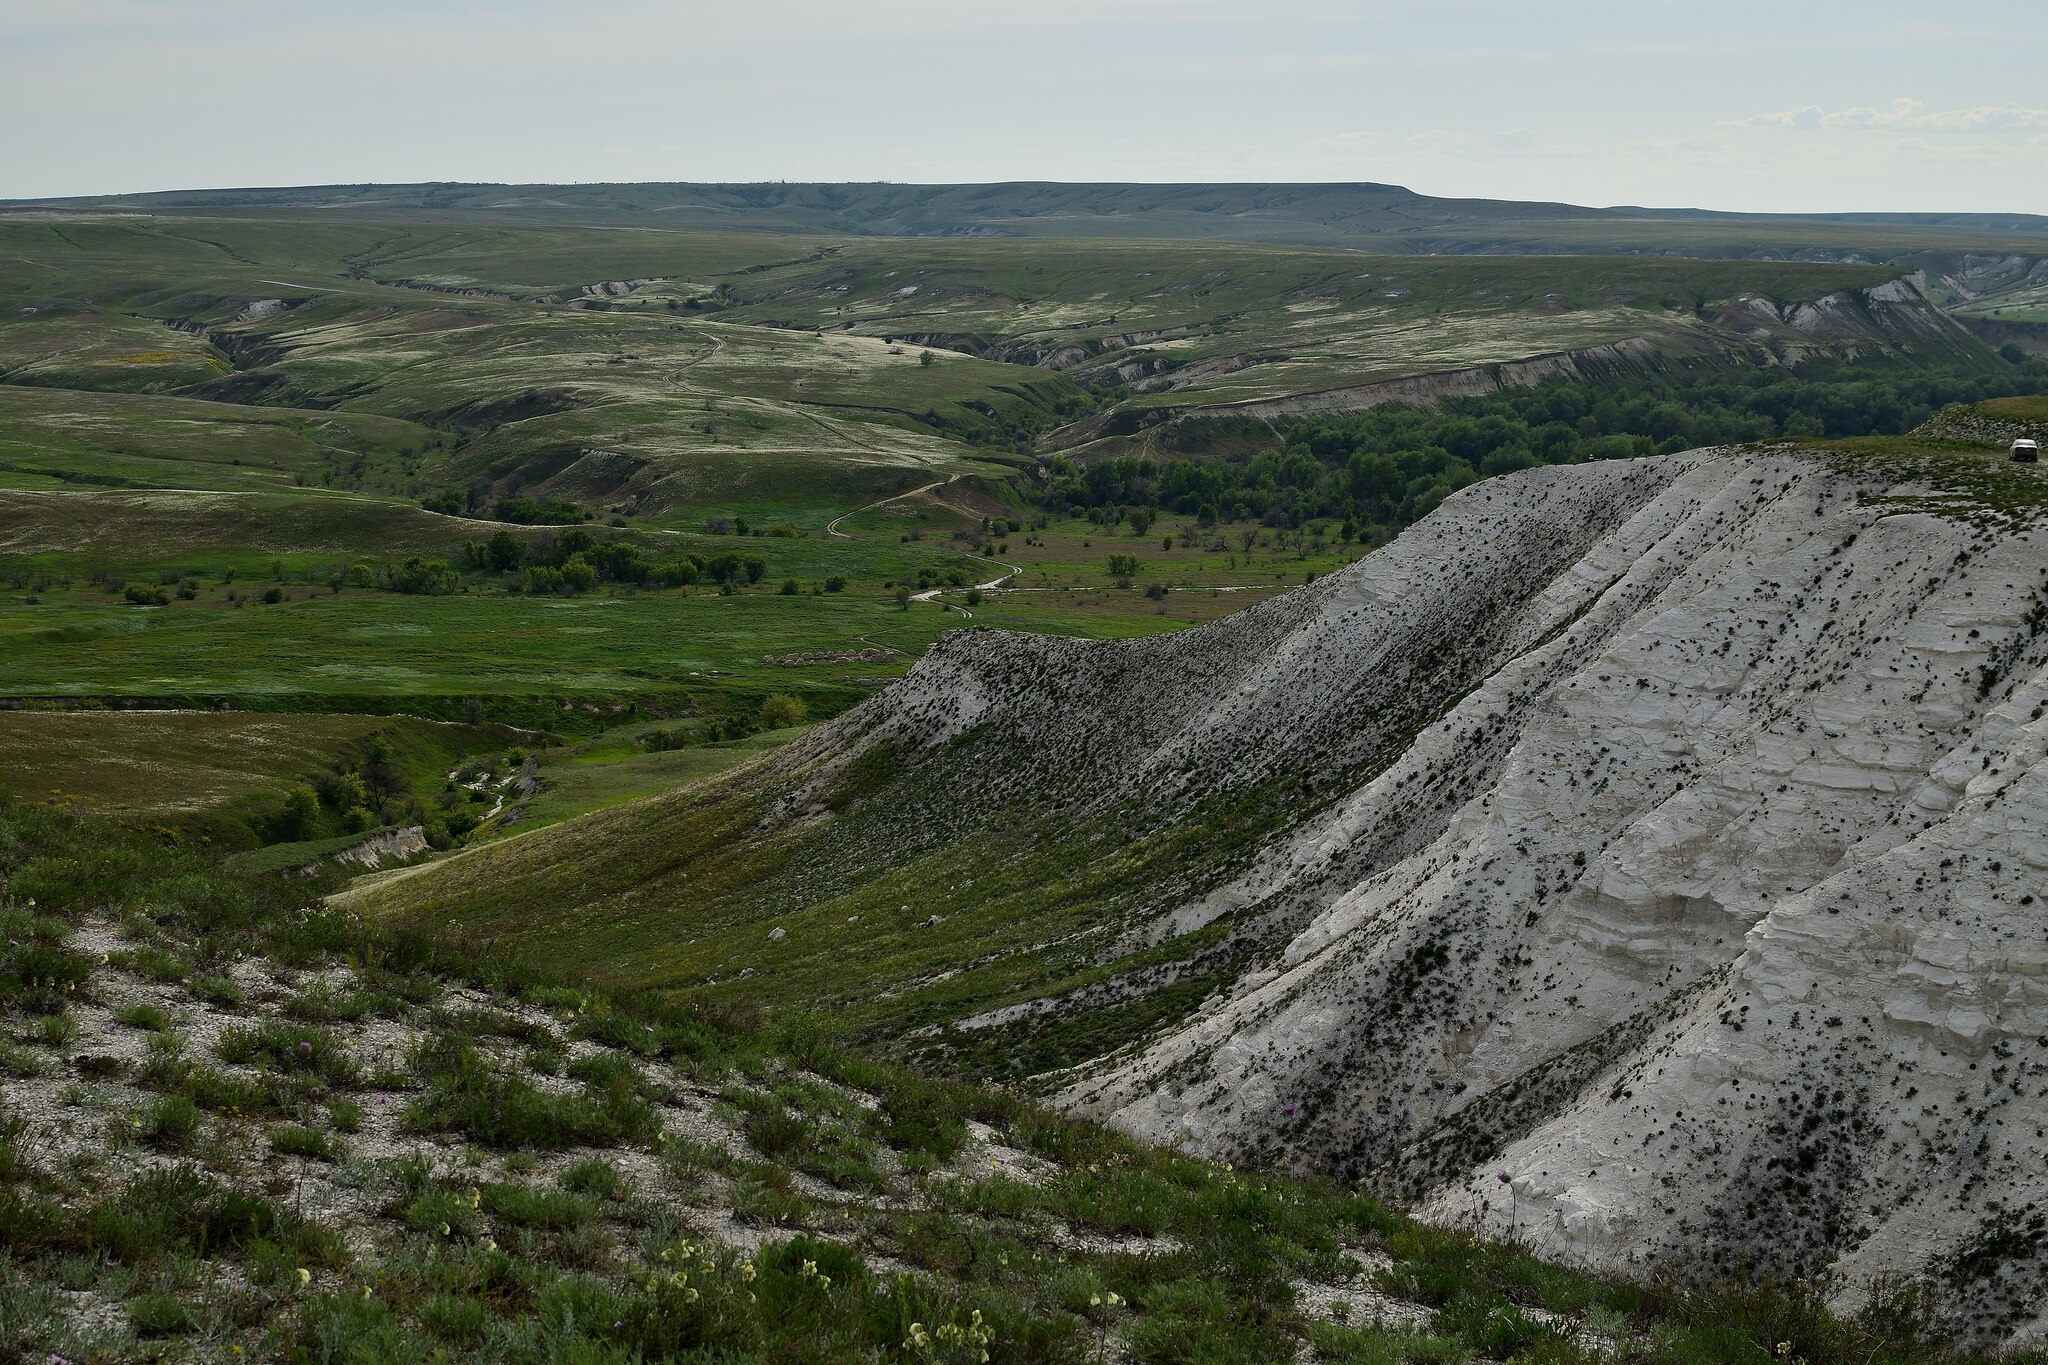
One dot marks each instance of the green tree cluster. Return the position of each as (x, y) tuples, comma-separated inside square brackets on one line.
[(1391, 465), (575, 560)]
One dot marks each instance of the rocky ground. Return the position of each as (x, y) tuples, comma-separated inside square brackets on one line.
[(217, 1153)]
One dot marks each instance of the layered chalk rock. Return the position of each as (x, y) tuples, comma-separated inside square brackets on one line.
[(1735, 945)]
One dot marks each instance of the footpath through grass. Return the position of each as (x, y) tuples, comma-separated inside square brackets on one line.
[(239, 1128)]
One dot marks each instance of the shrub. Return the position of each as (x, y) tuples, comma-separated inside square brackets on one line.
[(595, 1176), (348, 1329), (456, 1319), (297, 1140), (536, 512), (219, 990), (299, 1049), (37, 978), (919, 1116), (527, 1207), (345, 1115), (151, 962), (782, 710), (443, 1213), (465, 1095), (171, 1122), (160, 1315), (146, 1017), (178, 1209), (29, 1225)]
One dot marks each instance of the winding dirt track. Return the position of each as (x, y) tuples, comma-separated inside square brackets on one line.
[(832, 526)]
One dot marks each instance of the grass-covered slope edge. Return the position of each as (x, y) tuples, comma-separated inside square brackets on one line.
[(238, 1129)]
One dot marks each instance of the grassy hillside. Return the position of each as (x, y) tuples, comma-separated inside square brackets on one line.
[(196, 766), (617, 407), (1210, 326), (288, 1135)]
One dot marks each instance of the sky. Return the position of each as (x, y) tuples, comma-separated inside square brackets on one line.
[(1786, 106)]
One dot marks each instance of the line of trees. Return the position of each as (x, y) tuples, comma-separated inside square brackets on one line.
[(1383, 468), (577, 561)]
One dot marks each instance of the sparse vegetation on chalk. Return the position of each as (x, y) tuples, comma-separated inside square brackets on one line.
[(368, 1188)]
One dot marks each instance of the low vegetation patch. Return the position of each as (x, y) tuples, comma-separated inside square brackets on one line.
[(396, 1148)]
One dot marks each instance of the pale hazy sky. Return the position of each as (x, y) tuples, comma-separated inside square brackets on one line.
[(1794, 105)]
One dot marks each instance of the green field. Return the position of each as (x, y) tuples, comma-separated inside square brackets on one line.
[(78, 639)]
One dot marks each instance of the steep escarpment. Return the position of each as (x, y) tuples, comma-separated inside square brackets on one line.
[(1739, 952), (1665, 834)]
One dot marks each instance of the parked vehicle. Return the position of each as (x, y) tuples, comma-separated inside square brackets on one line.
[(2025, 451)]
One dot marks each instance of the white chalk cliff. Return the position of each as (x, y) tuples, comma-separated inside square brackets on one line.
[(1715, 915)]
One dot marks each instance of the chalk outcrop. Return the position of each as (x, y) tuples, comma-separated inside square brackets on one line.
[(1711, 903), (1739, 946)]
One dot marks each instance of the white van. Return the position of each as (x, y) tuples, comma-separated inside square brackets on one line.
[(2026, 451)]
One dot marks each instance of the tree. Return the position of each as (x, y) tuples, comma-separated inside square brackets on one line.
[(1123, 566), (504, 552), (903, 597), (781, 711), (578, 574), (429, 576), (1141, 520), (926, 358), (301, 809)]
